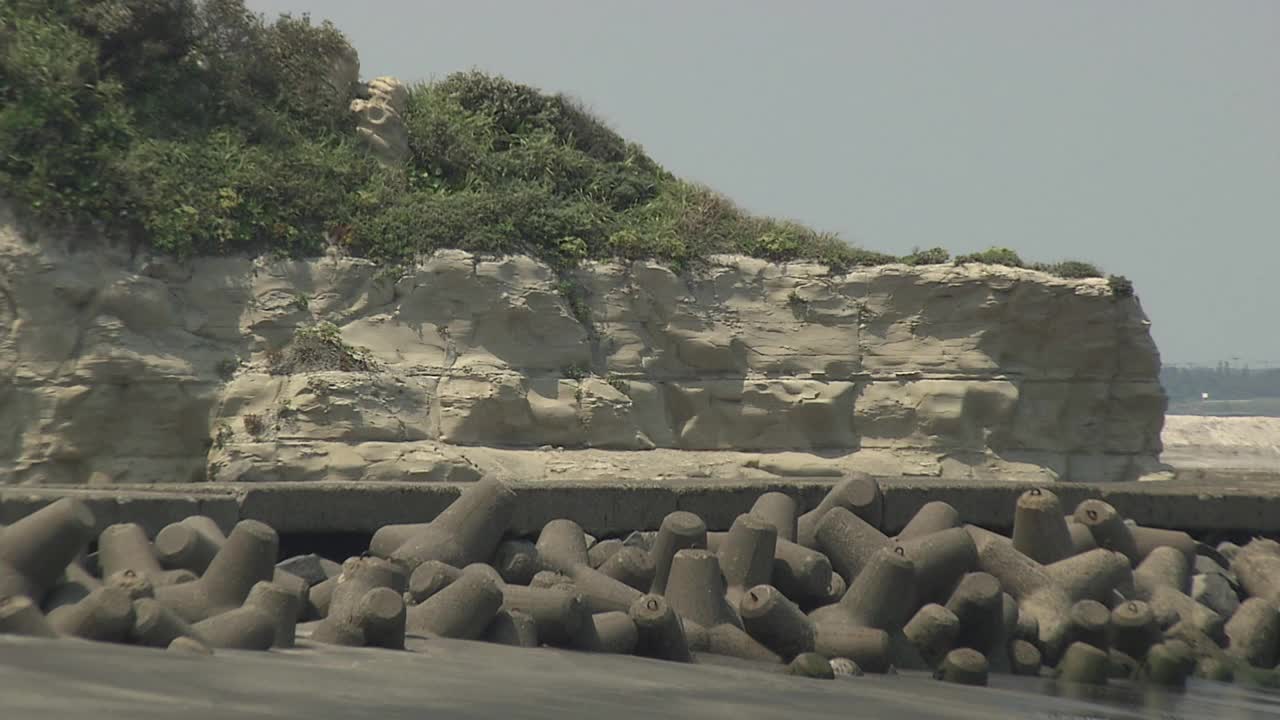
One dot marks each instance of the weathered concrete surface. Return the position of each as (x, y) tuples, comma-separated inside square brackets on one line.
[(153, 508), (118, 367), (607, 507), (69, 680)]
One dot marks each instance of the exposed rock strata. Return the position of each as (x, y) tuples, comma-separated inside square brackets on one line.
[(117, 366), (379, 112)]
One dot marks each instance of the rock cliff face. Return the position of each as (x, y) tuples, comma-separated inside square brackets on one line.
[(117, 366)]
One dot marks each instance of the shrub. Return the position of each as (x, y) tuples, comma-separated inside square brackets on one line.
[(225, 194), (206, 129), (684, 222), (1070, 269), (932, 256), (780, 243), (253, 424), (474, 131), (320, 347), (993, 256), (63, 123), (575, 296), (575, 372), (841, 257), (618, 383), (195, 124), (1121, 286), (226, 368), (222, 435)]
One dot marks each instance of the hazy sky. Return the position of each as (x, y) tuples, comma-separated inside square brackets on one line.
[(1141, 135)]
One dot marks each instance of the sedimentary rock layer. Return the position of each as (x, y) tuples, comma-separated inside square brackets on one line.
[(120, 366)]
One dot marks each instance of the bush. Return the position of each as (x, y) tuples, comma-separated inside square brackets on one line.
[(842, 257), (226, 194), (575, 372), (63, 124), (253, 424), (932, 256), (205, 129), (475, 131), (1070, 269), (320, 347), (227, 368), (1121, 286), (196, 125), (993, 256)]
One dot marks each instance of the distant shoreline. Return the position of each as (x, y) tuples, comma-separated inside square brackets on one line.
[(1222, 443), (1253, 407)]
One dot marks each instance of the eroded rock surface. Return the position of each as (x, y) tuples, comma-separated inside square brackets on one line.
[(379, 112), (120, 367)]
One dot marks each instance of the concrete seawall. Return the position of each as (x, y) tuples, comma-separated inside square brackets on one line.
[(1227, 503)]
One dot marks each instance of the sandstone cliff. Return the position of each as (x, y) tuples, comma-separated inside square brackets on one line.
[(117, 366)]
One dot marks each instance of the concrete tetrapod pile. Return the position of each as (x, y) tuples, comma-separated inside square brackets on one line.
[(1086, 597), (216, 592)]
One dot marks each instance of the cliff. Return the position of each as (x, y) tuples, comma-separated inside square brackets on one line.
[(121, 366)]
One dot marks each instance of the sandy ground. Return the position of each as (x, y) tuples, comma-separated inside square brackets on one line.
[(1225, 443), (69, 680)]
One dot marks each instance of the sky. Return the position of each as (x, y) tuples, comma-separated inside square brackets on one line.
[(1141, 135)]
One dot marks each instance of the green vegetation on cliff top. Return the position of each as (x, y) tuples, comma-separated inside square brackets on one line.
[(202, 128)]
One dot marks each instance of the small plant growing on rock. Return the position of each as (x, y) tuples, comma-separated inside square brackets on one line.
[(1121, 286), (784, 243), (571, 250), (1077, 269), (1069, 269), (227, 367), (576, 371), (301, 301), (799, 305), (932, 256), (993, 256), (320, 347), (391, 272), (619, 384), (576, 297), (222, 435), (253, 424)]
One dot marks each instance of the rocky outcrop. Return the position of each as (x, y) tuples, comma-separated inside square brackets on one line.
[(379, 110), (117, 366)]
